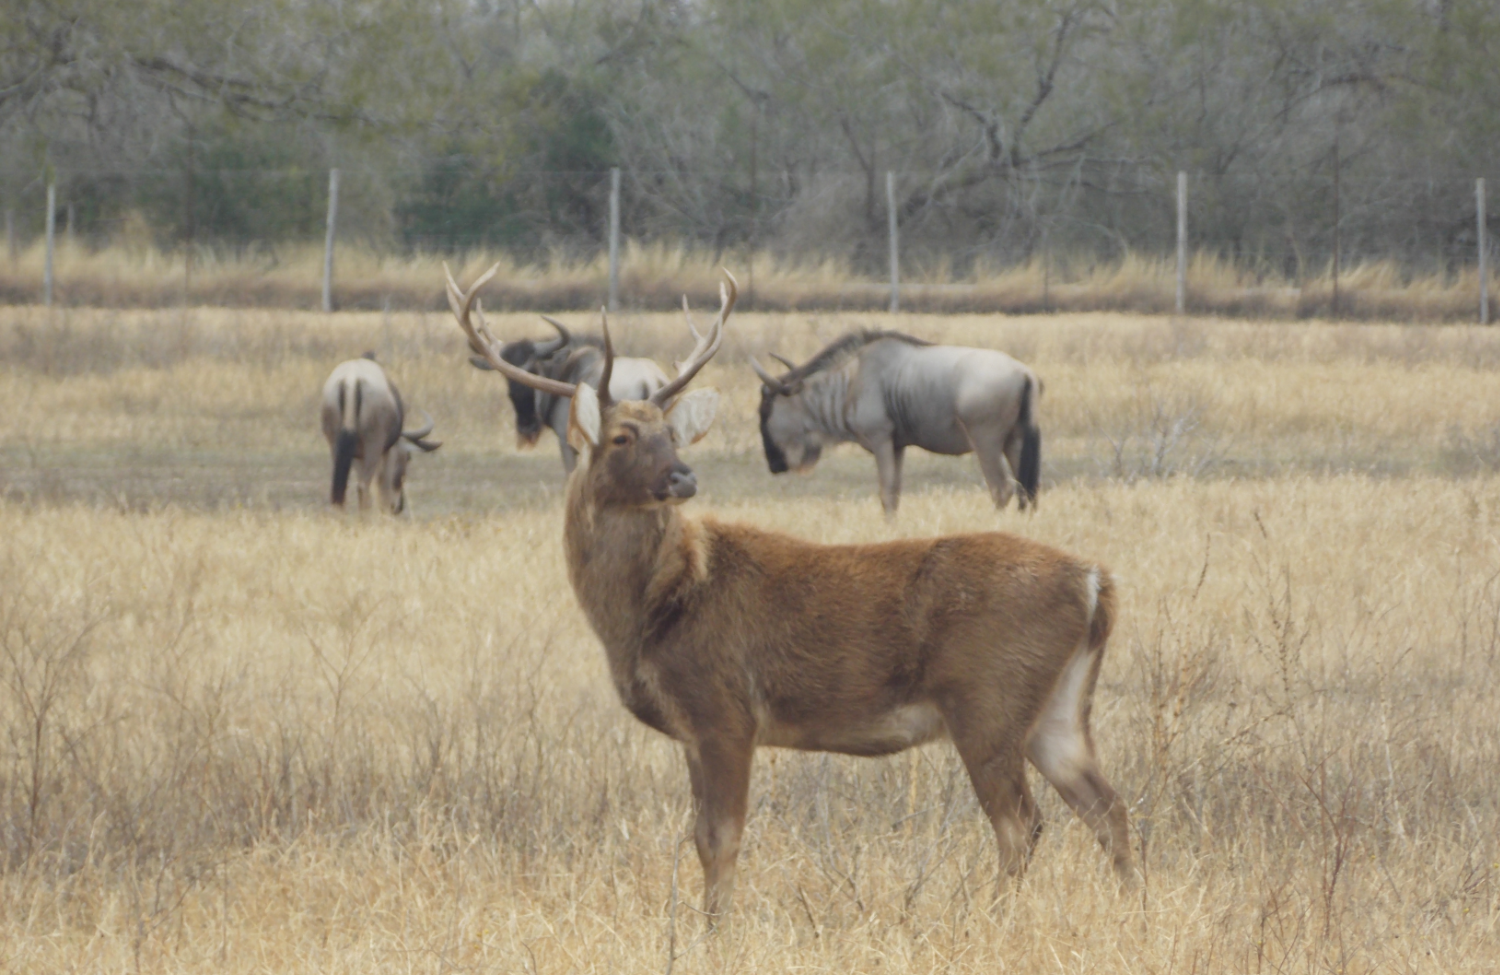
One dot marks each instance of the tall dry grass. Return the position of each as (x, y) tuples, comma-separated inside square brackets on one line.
[(238, 733), (228, 752), (654, 276)]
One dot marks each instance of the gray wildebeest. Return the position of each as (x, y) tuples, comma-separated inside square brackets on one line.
[(728, 637), (568, 359), (887, 391), (362, 418)]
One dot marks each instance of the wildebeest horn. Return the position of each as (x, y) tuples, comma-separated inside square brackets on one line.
[(775, 384), (419, 434), (609, 360), (564, 337), (784, 361)]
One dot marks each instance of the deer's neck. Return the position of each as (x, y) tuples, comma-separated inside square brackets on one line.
[(632, 571)]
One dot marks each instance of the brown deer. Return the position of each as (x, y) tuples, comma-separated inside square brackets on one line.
[(728, 637)]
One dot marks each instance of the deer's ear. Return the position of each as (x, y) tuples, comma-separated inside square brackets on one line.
[(583, 418), (691, 414)]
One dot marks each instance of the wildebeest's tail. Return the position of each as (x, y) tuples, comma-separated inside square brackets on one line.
[(1030, 474), (347, 439)]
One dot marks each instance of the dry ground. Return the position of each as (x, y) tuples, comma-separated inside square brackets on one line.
[(241, 734)]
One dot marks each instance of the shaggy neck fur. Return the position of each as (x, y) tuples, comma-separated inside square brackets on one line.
[(825, 397), (633, 570)]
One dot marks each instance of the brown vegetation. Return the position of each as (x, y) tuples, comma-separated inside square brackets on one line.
[(223, 753), (656, 277)]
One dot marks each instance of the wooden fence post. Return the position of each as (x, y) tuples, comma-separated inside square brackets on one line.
[(333, 218), (614, 238), (890, 205)]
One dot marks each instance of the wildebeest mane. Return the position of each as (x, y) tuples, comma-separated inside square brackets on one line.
[(845, 346)]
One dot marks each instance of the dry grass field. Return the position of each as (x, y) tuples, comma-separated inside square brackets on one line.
[(239, 733), (133, 273)]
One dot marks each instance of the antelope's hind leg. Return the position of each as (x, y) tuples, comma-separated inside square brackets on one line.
[(1062, 749), (720, 776)]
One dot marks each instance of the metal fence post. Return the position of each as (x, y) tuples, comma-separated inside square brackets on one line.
[(890, 205), (614, 238), (1484, 274), (1181, 242), (51, 243), (333, 218)]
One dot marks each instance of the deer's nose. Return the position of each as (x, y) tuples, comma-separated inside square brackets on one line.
[(681, 482)]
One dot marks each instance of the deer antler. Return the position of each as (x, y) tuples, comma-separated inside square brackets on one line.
[(706, 345), (481, 341), (609, 360)]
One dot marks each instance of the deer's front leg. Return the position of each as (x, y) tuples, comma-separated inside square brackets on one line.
[(720, 774)]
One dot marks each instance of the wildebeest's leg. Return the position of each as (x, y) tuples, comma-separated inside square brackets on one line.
[(988, 442), (1062, 749), (888, 465), (370, 463), (557, 419), (1012, 453), (720, 776)]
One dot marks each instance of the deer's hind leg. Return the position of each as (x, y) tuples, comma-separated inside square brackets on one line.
[(991, 752), (1062, 749)]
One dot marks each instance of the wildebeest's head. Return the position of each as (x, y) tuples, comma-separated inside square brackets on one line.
[(397, 459), (533, 357), (790, 439), (528, 424)]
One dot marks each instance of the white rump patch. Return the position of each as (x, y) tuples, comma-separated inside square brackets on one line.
[(692, 414), (1057, 746), (583, 418), (1092, 585)]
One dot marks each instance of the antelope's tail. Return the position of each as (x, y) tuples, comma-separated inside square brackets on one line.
[(1030, 474), (347, 440)]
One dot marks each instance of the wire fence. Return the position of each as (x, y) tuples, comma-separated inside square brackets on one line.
[(1274, 228)]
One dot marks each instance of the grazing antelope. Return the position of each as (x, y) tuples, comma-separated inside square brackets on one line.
[(571, 360), (728, 637), (362, 418), (889, 391)]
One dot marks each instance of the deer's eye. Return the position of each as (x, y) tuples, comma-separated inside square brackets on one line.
[(621, 440)]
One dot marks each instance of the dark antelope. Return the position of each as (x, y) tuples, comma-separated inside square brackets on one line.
[(888, 391), (362, 418), (572, 360), (728, 637)]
